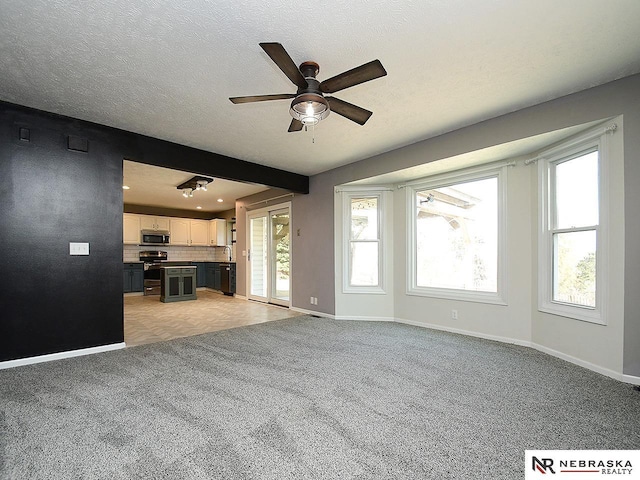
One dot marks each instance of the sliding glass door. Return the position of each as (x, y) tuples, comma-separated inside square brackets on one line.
[(269, 255)]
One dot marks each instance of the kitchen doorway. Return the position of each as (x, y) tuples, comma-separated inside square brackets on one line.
[(269, 255)]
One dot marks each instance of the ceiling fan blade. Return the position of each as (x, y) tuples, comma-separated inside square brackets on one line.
[(282, 59), (261, 98), (349, 110), (355, 76), (296, 125)]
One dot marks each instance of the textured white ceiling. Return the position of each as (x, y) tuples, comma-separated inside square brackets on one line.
[(167, 68), (156, 186)]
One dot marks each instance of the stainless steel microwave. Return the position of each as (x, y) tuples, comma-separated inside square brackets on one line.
[(154, 237)]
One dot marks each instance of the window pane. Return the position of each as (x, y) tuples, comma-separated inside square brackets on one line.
[(457, 236), (574, 268), (577, 192), (364, 264), (364, 218)]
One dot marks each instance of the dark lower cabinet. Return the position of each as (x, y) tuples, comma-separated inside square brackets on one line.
[(210, 275), (177, 284), (216, 276), (133, 277), (201, 274), (215, 271)]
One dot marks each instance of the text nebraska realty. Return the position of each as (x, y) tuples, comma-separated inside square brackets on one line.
[(606, 467)]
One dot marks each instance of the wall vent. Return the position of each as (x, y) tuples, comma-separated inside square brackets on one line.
[(24, 134), (77, 144)]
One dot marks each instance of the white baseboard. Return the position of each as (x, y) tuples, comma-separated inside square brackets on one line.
[(514, 341), (241, 297), (60, 355), (588, 365), (365, 318), (541, 348), (631, 379), (312, 312)]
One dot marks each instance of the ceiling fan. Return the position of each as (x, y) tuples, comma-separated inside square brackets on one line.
[(309, 104)]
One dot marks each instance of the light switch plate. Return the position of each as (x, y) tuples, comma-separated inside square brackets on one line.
[(78, 248)]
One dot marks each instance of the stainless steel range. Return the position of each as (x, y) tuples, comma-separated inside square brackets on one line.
[(153, 260)]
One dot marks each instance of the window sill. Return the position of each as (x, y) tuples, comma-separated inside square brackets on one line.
[(459, 295), (364, 290), (574, 313)]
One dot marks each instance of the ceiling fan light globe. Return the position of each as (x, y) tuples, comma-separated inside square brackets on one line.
[(309, 108)]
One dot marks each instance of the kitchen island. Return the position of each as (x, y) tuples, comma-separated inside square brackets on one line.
[(178, 283)]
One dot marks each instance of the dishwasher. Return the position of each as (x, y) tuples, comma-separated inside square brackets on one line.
[(225, 278)]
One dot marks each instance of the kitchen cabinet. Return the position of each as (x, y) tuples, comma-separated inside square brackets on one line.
[(178, 284), (214, 276), (185, 231), (130, 228), (199, 233), (217, 232), (210, 275), (179, 231), (201, 274), (133, 277), (148, 222)]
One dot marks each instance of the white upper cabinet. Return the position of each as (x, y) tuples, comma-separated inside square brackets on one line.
[(130, 228), (199, 233), (217, 232), (185, 231), (179, 231), (148, 222)]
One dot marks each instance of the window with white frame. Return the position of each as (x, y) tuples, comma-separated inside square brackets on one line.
[(572, 240), (363, 245), (457, 242)]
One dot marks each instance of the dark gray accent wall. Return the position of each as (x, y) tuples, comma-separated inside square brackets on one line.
[(53, 193), (50, 196), (314, 213)]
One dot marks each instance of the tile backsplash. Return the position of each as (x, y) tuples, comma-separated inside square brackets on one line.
[(131, 253)]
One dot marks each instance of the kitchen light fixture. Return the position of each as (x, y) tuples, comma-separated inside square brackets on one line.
[(220, 200), (195, 183), (199, 207), (125, 187)]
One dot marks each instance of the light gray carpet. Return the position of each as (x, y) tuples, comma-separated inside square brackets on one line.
[(306, 398)]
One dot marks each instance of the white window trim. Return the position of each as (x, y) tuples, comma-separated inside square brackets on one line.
[(347, 195), (597, 138), (479, 173)]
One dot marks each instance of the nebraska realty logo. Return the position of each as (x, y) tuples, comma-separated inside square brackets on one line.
[(582, 463)]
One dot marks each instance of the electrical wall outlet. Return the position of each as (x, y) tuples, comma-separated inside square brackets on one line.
[(454, 314), (311, 300), (314, 300), (78, 248)]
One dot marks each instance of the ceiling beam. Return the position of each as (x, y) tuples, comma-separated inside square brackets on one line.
[(162, 153)]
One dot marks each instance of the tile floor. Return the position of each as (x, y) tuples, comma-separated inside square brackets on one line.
[(148, 320)]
